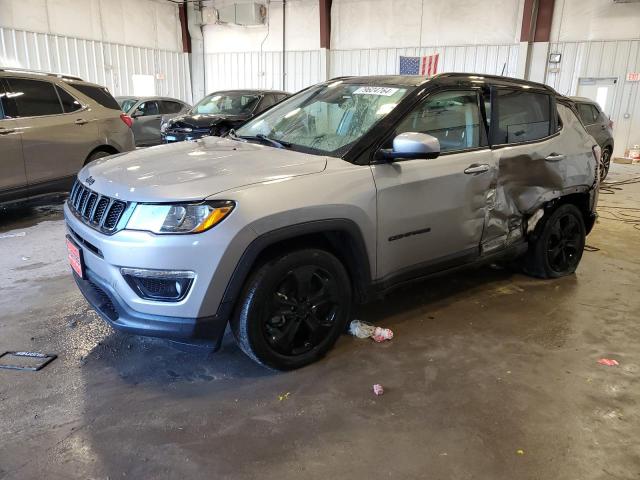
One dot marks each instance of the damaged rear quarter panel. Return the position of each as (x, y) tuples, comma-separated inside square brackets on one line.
[(525, 179)]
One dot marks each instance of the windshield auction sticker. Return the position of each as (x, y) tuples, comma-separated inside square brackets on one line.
[(384, 91)]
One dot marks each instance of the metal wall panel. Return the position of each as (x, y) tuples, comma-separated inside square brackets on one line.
[(487, 59), (610, 59), (108, 64), (262, 70)]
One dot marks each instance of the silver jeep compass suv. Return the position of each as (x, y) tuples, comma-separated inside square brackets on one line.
[(341, 192)]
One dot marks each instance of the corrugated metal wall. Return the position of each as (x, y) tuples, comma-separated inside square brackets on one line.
[(262, 70), (304, 68), (610, 59), (488, 59), (108, 64)]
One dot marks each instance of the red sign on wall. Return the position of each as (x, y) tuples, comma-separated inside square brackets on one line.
[(633, 77)]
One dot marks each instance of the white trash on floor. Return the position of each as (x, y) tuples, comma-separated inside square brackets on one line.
[(361, 329)]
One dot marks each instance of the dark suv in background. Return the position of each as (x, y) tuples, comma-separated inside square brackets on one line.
[(52, 125), (600, 127), (218, 113)]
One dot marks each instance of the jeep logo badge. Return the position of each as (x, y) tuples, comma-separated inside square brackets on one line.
[(90, 180)]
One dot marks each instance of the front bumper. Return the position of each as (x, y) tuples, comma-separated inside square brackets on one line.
[(199, 317), (113, 310)]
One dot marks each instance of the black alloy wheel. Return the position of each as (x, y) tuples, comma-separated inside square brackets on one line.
[(293, 309), (304, 308), (557, 244), (564, 244)]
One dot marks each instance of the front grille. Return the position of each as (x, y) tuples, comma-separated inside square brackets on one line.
[(103, 203), (98, 211), (114, 214), (91, 201)]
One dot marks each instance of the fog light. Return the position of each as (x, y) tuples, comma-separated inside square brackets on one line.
[(159, 285)]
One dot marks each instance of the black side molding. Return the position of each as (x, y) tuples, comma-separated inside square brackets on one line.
[(409, 234)]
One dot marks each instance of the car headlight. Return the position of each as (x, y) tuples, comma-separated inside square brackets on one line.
[(179, 218)]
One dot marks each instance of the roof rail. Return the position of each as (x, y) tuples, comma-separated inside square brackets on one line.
[(38, 72)]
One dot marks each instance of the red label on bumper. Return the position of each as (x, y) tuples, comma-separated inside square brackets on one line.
[(75, 257)]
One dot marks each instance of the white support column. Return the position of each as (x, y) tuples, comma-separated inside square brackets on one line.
[(325, 64)]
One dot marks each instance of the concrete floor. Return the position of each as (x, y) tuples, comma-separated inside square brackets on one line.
[(491, 375)]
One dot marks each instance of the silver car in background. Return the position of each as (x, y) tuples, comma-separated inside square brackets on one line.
[(148, 114), (339, 193)]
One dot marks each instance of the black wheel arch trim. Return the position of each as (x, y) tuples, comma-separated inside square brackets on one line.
[(359, 268)]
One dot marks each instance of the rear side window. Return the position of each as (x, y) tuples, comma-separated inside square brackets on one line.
[(520, 116), (167, 107), (588, 113), (99, 94), (453, 117), (31, 98), (69, 104)]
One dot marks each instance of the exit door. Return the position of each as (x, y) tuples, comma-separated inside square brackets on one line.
[(601, 90)]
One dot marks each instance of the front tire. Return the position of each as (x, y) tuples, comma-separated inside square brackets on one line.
[(558, 248), (293, 309)]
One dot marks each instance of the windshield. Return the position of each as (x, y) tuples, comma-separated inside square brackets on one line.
[(126, 104), (226, 103), (326, 118)]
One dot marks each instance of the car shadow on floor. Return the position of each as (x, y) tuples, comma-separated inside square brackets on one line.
[(438, 291), (158, 362)]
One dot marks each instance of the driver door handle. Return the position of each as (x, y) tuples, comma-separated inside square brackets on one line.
[(555, 157), (476, 169), (5, 131), (81, 121)]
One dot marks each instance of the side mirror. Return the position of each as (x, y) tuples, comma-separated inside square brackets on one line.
[(412, 145)]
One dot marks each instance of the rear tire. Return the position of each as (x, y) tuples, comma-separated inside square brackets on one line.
[(558, 247), (293, 309)]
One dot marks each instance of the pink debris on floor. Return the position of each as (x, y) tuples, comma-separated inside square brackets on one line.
[(382, 334), (377, 389), (609, 362)]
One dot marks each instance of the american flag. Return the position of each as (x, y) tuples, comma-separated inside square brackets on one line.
[(425, 66)]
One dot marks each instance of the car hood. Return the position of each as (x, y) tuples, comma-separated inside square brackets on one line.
[(194, 170), (204, 121)]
